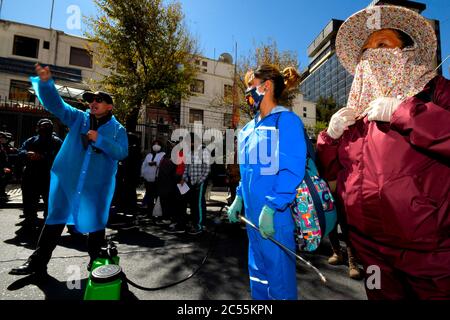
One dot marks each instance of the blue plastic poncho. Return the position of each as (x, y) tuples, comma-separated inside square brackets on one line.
[(82, 181)]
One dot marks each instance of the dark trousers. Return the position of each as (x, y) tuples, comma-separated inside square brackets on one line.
[(48, 240), (342, 222), (197, 203), (3, 183), (180, 207), (32, 190), (168, 206), (151, 193)]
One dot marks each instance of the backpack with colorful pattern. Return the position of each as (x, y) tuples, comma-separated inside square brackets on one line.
[(313, 208)]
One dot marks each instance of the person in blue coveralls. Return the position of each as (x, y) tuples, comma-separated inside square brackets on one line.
[(82, 178), (272, 156)]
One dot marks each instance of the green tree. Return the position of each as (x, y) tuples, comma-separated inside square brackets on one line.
[(263, 53), (147, 49), (317, 128), (325, 108)]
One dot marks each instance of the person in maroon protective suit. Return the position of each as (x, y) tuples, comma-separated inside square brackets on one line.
[(389, 151)]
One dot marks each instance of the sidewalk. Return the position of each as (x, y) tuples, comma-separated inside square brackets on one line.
[(14, 192), (152, 257)]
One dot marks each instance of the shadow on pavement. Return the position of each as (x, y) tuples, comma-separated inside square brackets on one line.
[(50, 286), (57, 290), (25, 237)]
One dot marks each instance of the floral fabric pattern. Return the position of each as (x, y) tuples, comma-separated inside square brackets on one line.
[(387, 73), (356, 30)]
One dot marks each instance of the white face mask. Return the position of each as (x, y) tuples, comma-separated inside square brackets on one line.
[(156, 148)]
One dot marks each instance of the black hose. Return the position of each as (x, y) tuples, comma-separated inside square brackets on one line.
[(210, 249)]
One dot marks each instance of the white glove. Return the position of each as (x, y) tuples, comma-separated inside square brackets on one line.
[(381, 109), (340, 121)]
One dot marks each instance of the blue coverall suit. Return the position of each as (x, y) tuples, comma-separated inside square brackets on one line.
[(272, 270)]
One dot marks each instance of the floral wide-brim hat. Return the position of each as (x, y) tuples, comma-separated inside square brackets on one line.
[(354, 32)]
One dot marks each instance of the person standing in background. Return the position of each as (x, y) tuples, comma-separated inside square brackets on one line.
[(149, 171)]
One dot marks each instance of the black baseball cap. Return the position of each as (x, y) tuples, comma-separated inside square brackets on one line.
[(89, 96)]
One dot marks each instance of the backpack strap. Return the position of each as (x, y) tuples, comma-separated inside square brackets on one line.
[(311, 154), (309, 146), (316, 200)]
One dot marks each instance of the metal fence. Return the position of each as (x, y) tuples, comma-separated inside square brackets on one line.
[(20, 119)]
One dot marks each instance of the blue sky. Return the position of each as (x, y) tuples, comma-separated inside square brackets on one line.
[(218, 24)]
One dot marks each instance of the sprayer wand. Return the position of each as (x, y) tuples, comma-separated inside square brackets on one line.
[(322, 277)]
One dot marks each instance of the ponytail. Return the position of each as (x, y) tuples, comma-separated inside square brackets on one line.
[(291, 78)]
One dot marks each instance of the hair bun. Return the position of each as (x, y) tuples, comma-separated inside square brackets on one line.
[(291, 77), (249, 76)]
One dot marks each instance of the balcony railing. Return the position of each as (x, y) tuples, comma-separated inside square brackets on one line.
[(20, 106)]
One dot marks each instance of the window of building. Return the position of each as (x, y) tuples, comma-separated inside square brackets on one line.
[(334, 88), (227, 120), (19, 91), (80, 57), (204, 63), (198, 86), (195, 115), (26, 47), (304, 109), (46, 45), (228, 91), (304, 114)]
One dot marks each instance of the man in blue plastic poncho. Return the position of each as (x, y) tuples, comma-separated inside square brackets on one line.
[(83, 174)]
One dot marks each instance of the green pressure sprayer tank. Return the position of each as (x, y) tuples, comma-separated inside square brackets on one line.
[(105, 279)]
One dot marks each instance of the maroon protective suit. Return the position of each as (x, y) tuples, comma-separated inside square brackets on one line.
[(393, 180)]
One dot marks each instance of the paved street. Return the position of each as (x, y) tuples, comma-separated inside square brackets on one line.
[(152, 257)]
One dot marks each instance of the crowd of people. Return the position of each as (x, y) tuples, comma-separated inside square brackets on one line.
[(385, 156)]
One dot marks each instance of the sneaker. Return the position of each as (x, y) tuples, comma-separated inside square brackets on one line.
[(195, 230), (174, 228)]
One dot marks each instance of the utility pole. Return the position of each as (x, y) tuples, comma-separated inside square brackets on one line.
[(51, 14), (1, 6), (235, 117)]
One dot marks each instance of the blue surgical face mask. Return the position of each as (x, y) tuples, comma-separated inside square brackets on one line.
[(254, 97)]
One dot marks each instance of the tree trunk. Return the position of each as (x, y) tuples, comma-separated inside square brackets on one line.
[(132, 119)]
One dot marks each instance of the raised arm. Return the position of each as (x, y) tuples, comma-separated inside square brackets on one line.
[(45, 89)]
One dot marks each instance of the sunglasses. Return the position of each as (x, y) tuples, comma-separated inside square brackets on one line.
[(96, 99)]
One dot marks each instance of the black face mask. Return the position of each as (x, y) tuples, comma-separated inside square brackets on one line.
[(254, 98), (45, 132)]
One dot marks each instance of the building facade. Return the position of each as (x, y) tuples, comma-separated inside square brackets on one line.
[(205, 107), (325, 76), (306, 110), (22, 47)]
